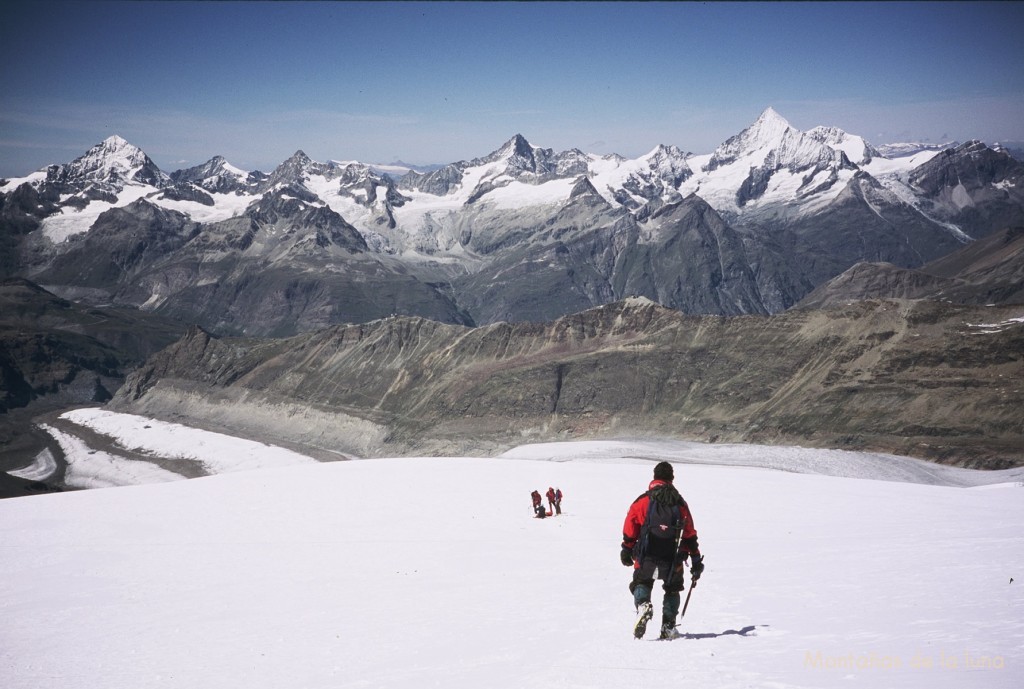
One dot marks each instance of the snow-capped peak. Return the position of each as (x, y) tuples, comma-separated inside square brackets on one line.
[(292, 171), (770, 125), (115, 141), (855, 147), (519, 159), (113, 161), (218, 165), (299, 158), (116, 150), (771, 142), (215, 175), (668, 162), (765, 134), (517, 149), (519, 144), (113, 152)]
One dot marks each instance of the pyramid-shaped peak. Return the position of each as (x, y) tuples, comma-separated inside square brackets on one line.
[(584, 187), (297, 163), (115, 141), (767, 131), (772, 141), (518, 145), (292, 171), (770, 124), (666, 152), (112, 161), (216, 174), (117, 145), (771, 115), (515, 148)]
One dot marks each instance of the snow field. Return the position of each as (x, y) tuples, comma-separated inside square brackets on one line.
[(218, 453), (88, 468), (431, 572)]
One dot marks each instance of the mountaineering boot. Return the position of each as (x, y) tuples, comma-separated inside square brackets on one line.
[(644, 613), (668, 630)]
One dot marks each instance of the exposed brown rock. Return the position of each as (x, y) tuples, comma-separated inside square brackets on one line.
[(919, 378)]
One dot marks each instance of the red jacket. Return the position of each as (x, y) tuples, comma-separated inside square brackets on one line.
[(637, 515)]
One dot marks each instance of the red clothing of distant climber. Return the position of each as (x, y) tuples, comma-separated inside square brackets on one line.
[(538, 505)]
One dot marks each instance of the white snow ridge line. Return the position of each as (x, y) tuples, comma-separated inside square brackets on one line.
[(42, 467)]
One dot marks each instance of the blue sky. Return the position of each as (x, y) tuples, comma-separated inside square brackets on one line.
[(438, 82)]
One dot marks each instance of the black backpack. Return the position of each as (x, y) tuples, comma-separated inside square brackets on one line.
[(659, 536)]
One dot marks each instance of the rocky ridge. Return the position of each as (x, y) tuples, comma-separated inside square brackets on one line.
[(913, 377), (989, 271)]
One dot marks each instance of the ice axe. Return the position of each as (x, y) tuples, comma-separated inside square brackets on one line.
[(688, 594), (693, 585)]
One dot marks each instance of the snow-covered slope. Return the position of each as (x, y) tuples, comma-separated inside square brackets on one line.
[(431, 572), (772, 135), (902, 150), (116, 173), (217, 175), (769, 165), (856, 148)]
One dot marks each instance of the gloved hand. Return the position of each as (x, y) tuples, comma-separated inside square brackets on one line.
[(626, 556), (696, 567)]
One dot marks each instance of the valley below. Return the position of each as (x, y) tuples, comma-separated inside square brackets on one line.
[(918, 378)]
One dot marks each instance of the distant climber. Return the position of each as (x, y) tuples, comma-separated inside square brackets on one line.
[(538, 506), (554, 500)]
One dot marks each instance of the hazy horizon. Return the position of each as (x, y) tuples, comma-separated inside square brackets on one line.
[(433, 83)]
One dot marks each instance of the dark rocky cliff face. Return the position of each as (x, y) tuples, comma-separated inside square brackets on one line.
[(988, 271), (919, 378), (122, 242), (590, 253), (55, 354), (794, 255), (979, 189), (286, 265)]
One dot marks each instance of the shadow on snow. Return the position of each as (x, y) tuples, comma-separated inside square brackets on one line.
[(746, 631)]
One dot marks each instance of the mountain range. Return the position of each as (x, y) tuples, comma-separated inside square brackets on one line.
[(468, 306), (522, 233)]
